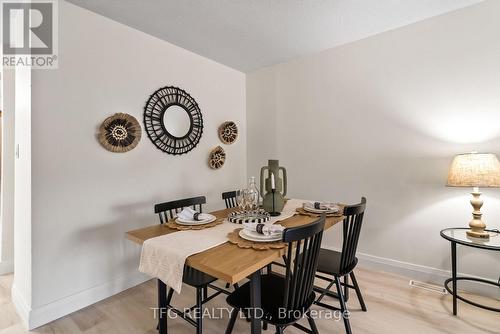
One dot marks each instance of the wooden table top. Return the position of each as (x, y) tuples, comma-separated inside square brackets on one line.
[(228, 262)]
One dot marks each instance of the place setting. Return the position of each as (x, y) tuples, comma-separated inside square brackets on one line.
[(190, 219), (259, 236), (316, 209)]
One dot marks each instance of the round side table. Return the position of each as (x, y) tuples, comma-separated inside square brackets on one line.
[(459, 236)]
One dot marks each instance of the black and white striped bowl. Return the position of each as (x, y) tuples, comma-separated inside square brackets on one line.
[(240, 217)]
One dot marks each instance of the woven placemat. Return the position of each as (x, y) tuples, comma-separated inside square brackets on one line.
[(174, 225), (303, 212), (234, 238)]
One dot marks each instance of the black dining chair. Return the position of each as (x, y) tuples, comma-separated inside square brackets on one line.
[(286, 299), (191, 276), (229, 198), (341, 264)]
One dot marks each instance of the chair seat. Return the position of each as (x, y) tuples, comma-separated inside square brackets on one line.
[(272, 296), (196, 278), (329, 263)]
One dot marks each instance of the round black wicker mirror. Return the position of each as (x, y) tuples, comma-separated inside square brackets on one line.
[(173, 120)]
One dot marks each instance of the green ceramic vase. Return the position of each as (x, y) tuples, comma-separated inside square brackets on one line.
[(280, 181)]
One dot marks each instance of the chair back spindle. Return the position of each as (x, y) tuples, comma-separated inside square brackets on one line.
[(169, 210), (229, 198), (351, 230), (304, 243)]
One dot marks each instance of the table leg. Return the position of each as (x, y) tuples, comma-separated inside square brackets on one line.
[(454, 275), (255, 302), (162, 308), (346, 289)]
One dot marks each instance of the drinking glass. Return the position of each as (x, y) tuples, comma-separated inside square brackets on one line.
[(247, 195), (240, 199), (253, 194), (248, 200)]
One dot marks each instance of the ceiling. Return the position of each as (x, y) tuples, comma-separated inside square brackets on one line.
[(250, 34)]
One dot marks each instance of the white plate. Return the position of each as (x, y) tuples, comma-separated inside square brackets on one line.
[(257, 237), (181, 221), (313, 210)]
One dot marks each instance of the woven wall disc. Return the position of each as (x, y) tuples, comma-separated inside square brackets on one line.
[(120, 133), (158, 131), (228, 132), (217, 158)]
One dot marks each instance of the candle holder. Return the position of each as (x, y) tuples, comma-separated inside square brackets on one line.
[(273, 186), (274, 213)]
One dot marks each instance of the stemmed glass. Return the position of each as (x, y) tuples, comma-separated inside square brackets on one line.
[(241, 199), (252, 199), (247, 199)]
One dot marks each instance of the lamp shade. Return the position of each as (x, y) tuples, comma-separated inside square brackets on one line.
[(474, 170)]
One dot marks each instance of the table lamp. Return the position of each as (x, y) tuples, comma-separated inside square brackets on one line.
[(475, 170)]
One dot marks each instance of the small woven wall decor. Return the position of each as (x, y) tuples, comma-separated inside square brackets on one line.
[(217, 158), (228, 132), (119, 133)]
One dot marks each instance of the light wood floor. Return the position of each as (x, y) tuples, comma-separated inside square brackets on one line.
[(393, 307)]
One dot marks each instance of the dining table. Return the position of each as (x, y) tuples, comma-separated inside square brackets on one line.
[(228, 262)]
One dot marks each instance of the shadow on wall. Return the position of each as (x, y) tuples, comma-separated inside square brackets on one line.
[(399, 165), (110, 235)]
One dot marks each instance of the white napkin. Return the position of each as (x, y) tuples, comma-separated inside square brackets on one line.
[(188, 214), (329, 206), (268, 228)]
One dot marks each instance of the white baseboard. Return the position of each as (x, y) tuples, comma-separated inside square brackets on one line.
[(21, 306), (6, 267), (413, 271), (423, 273), (44, 314)]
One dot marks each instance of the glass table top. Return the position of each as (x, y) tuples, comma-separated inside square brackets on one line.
[(459, 235)]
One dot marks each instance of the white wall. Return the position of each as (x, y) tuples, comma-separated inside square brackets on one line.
[(22, 285), (84, 197), (7, 170), (261, 101), (383, 117), (7, 105)]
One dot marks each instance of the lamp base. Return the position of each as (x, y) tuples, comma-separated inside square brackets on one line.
[(274, 214), (477, 226), (481, 235)]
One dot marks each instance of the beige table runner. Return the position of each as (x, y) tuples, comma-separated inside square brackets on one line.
[(164, 257)]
